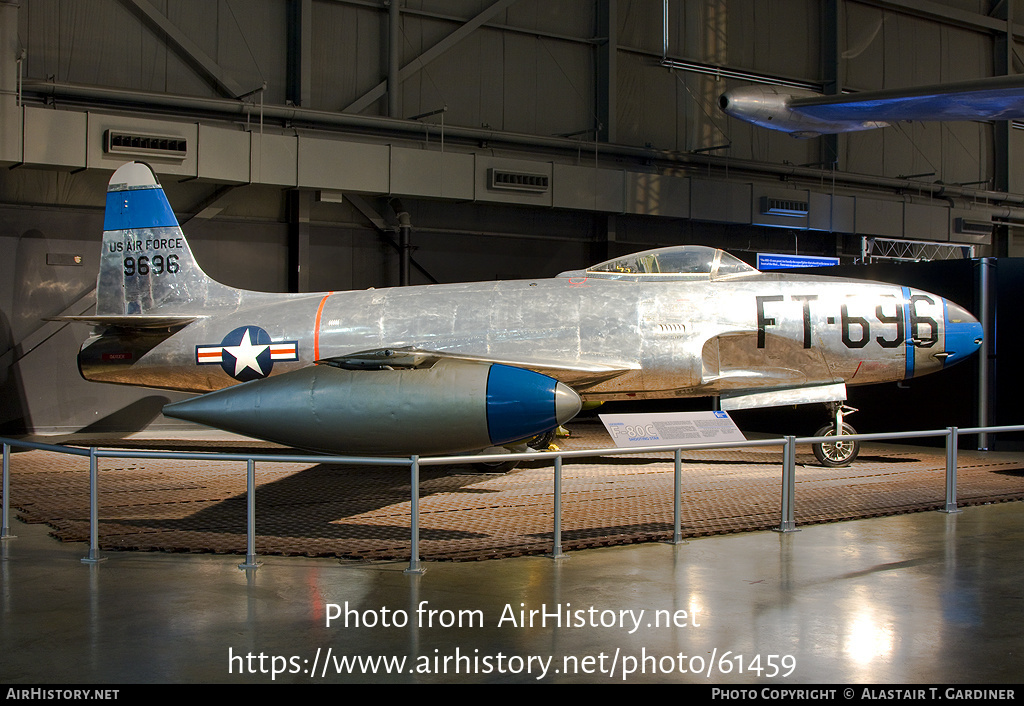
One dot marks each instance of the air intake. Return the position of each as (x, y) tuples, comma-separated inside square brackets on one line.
[(783, 207), (517, 181), (117, 142), (969, 227)]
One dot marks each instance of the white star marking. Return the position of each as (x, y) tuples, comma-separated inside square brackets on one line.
[(245, 354)]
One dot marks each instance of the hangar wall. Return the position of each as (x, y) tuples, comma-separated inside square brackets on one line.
[(284, 102)]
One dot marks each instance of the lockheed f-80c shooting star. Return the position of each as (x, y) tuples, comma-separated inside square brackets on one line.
[(454, 368)]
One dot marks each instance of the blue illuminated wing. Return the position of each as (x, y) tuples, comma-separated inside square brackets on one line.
[(999, 98)]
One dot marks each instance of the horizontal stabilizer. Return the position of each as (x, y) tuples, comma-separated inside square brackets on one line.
[(138, 321)]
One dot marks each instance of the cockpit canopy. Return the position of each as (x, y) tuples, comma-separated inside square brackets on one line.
[(685, 262)]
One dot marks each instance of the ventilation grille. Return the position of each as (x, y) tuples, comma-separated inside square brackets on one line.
[(117, 142), (517, 181), (964, 225), (783, 207)]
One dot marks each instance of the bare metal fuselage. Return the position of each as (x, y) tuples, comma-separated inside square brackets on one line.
[(665, 338)]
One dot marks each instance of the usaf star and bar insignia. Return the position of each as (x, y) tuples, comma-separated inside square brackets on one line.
[(247, 353)]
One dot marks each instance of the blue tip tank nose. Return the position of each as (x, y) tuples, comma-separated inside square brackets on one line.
[(963, 333)]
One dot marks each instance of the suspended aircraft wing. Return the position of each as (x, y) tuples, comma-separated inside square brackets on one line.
[(803, 113), (999, 98)]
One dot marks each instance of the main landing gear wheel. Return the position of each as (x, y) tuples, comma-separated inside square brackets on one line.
[(834, 454), (541, 442)]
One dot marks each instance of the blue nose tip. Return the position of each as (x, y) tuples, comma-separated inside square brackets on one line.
[(963, 333)]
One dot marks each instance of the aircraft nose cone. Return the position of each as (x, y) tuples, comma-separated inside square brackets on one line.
[(963, 333)]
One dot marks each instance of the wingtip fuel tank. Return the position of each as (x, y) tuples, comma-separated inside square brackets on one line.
[(450, 407)]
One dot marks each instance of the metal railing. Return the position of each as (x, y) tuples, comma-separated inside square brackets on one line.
[(787, 521)]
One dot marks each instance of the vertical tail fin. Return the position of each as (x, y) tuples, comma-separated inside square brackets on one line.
[(146, 264)]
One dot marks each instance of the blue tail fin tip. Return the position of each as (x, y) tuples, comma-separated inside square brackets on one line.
[(136, 200)]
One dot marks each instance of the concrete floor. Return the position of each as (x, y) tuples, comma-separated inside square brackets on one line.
[(919, 598)]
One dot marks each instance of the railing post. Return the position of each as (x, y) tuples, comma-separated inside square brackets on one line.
[(250, 516), (94, 551), (951, 463), (556, 549), (677, 489), (414, 521), (788, 520), (5, 530)]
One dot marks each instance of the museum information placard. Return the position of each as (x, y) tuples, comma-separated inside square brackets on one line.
[(670, 428)]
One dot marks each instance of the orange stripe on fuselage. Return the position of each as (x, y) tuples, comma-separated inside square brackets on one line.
[(316, 327)]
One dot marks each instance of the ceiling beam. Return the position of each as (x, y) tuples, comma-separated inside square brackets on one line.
[(186, 48), (378, 91)]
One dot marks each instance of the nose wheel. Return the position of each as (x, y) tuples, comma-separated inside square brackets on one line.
[(834, 454)]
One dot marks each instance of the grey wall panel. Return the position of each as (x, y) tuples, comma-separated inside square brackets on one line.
[(274, 159), (657, 195), (912, 51), (522, 110), (251, 44), (966, 54), (640, 26), (588, 189), (432, 174), (723, 201), (574, 18), (646, 104), (968, 154), (877, 217), (451, 257), (350, 258), (245, 254), (223, 154), (863, 47), (336, 164), (926, 221), (860, 152), (777, 37), (833, 213), (1016, 184), (55, 137), (347, 53), (107, 44)]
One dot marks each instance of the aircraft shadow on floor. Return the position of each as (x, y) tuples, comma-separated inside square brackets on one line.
[(310, 503)]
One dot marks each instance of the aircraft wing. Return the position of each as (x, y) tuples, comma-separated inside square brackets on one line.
[(998, 98), (578, 376)]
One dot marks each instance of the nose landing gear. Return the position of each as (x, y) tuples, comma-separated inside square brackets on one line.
[(834, 454)]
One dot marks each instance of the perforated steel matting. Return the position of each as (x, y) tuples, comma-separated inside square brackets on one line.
[(363, 512)]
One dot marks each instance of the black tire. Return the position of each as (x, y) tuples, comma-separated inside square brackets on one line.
[(541, 442), (839, 453)]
